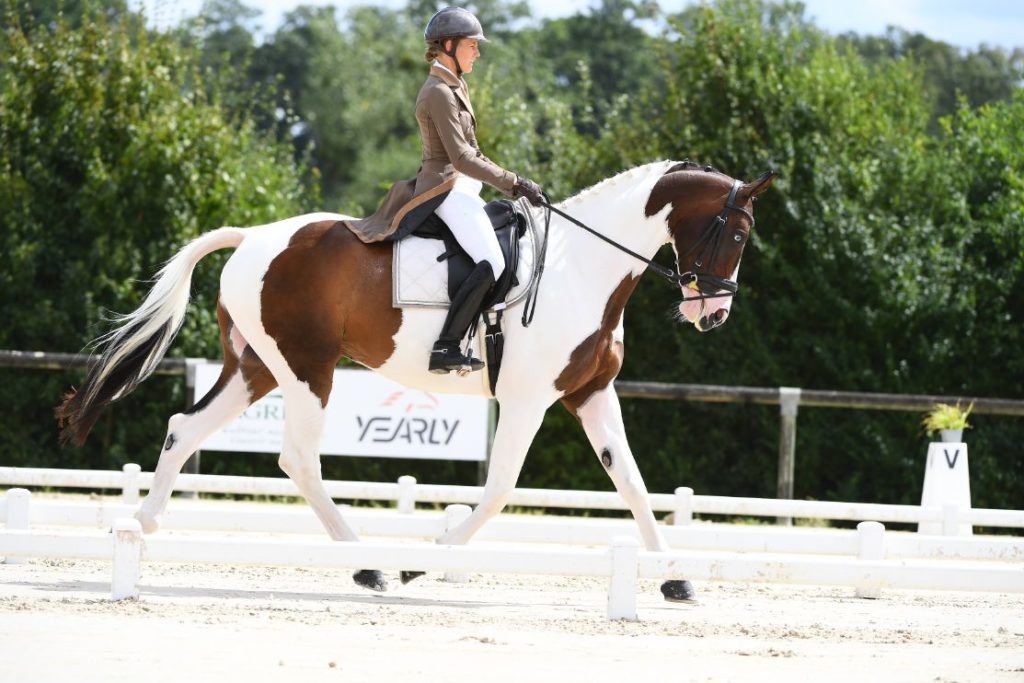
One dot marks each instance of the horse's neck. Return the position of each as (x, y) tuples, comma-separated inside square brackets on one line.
[(616, 208)]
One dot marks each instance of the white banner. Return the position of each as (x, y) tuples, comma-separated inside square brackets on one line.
[(367, 415)]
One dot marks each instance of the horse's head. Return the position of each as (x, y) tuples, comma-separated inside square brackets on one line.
[(709, 223)]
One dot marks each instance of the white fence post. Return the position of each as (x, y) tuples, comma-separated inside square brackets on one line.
[(453, 516), (130, 488), (406, 494), (683, 512), (789, 406), (871, 547), (127, 559), (18, 504), (625, 551)]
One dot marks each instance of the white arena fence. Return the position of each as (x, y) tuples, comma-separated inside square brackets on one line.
[(232, 517), (406, 493), (867, 559)]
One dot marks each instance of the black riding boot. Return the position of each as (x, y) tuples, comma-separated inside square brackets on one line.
[(447, 353)]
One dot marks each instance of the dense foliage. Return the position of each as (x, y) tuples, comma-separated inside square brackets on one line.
[(887, 258), (114, 151)]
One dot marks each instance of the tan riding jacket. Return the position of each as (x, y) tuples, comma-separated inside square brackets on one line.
[(448, 133)]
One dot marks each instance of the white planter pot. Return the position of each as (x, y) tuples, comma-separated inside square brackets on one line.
[(951, 435)]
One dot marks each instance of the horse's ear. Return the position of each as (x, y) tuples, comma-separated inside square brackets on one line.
[(763, 182)]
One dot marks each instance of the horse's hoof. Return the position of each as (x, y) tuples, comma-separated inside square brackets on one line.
[(409, 576), (372, 579), (679, 591)]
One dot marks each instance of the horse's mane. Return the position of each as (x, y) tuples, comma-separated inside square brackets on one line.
[(616, 179)]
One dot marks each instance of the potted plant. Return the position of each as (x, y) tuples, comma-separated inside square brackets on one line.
[(949, 421)]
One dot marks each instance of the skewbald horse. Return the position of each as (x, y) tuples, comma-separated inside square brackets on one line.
[(299, 294)]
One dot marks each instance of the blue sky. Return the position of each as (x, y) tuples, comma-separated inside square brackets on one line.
[(959, 22)]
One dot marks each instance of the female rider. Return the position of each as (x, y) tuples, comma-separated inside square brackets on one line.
[(453, 163)]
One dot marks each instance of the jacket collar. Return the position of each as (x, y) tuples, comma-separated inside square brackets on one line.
[(446, 75), (455, 83)]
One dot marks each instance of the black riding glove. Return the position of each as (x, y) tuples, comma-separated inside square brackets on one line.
[(525, 187)]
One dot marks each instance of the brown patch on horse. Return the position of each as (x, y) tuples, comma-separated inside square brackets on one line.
[(691, 193), (597, 360), (230, 366), (696, 198), (258, 379), (328, 295)]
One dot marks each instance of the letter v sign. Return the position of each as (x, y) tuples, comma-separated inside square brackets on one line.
[(956, 454)]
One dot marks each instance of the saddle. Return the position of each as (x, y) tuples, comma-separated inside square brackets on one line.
[(511, 222), (509, 226)]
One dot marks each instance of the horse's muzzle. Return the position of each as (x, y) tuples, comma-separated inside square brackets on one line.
[(706, 314), (713, 320)]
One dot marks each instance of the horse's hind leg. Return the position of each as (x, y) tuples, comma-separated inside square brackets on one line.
[(300, 456), (243, 380), (601, 418), (185, 432)]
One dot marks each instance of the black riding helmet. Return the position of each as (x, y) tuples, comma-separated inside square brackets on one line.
[(453, 23)]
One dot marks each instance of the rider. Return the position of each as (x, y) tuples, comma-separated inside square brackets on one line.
[(450, 150)]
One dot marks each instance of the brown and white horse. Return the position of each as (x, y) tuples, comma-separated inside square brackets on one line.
[(299, 294)]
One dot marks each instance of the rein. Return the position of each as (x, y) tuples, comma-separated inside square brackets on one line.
[(656, 267), (691, 278)]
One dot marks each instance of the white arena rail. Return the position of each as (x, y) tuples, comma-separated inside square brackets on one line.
[(864, 567), (225, 516), (683, 504), (623, 562)]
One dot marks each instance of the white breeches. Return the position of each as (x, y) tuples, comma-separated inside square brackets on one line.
[(463, 211)]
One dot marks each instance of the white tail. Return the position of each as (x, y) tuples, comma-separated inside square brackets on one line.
[(130, 352)]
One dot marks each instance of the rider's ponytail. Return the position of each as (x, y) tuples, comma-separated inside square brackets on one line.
[(433, 50)]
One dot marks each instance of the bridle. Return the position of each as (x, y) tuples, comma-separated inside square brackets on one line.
[(708, 244), (710, 286)]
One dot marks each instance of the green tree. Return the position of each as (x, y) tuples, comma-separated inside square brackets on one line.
[(600, 56), (44, 12), (225, 31), (983, 75), (113, 153)]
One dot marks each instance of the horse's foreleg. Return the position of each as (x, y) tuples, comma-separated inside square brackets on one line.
[(513, 435), (185, 432), (601, 418)]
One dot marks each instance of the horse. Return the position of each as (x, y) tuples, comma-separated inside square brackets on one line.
[(299, 294)]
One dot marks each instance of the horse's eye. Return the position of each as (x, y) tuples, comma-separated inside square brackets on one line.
[(738, 237)]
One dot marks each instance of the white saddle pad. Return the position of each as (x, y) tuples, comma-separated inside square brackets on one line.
[(420, 280)]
